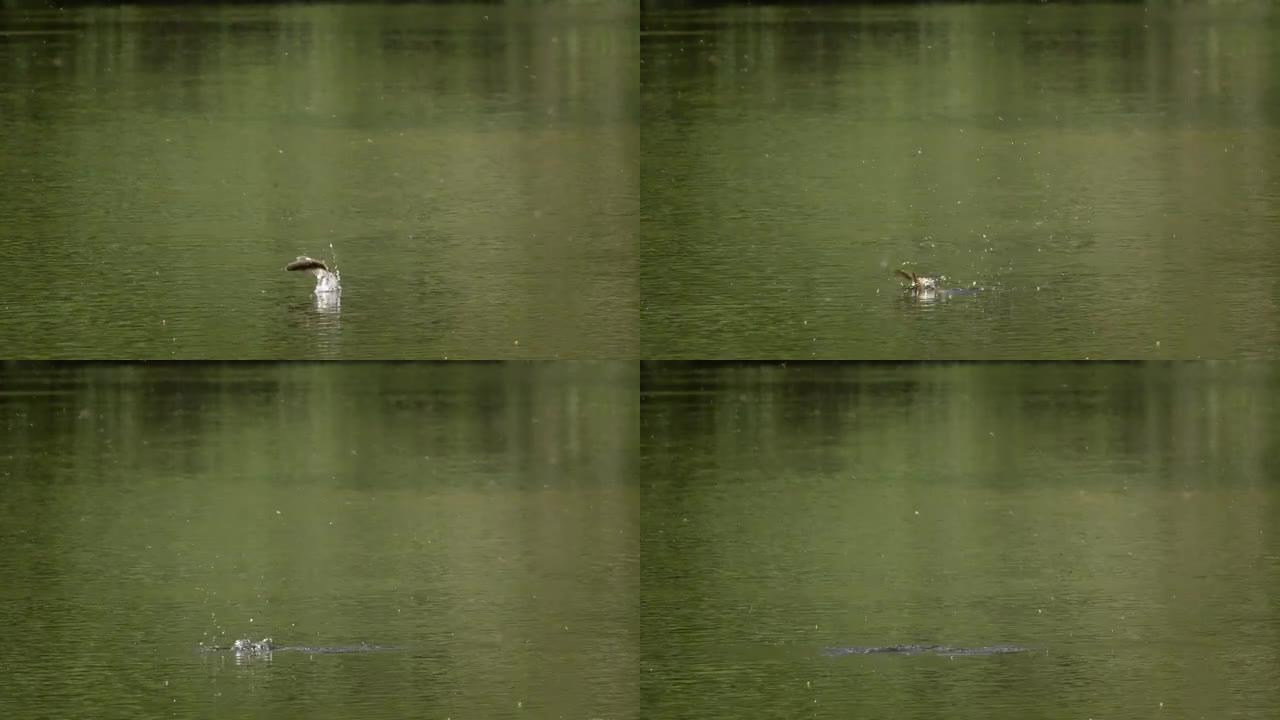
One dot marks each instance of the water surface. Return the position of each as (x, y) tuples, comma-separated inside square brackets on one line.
[(471, 168), (479, 520), (1108, 173), (1119, 521)]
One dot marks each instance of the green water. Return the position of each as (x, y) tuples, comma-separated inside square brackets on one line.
[(600, 537), (480, 520), (1109, 174), (1120, 521), (471, 168)]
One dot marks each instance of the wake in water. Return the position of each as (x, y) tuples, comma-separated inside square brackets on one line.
[(947, 650)]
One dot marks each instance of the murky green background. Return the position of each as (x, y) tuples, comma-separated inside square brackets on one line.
[(481, 519), (472, 166), (1109, 172), (1120, 519)]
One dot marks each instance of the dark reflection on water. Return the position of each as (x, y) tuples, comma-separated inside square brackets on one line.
[(479, 519), (472, 167), (1112, 171), (1115, 519)]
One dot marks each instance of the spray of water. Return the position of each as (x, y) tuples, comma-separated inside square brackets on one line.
[(336, 272)]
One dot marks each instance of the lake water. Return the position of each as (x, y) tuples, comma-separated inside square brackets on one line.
[(1117, 520), (1108, 174), (470, 168), (479, 520)]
